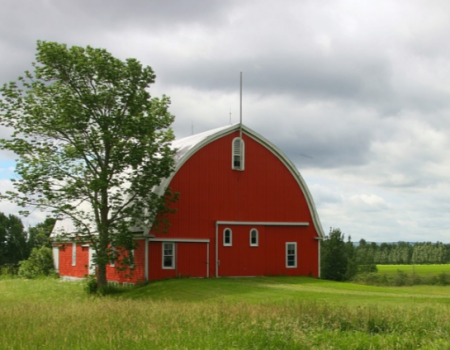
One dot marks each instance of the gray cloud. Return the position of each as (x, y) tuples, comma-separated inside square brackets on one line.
[(355, 93)]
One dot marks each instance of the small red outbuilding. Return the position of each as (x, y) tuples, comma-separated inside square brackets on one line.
[(243, 210)]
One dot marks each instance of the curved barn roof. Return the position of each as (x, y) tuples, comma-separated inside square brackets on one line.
[(188, 146)]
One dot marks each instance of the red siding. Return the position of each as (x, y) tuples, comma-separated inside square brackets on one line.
[(80, 270), (269, 257), (307, 251), (134, 275), (65, 261), (156, 271), (266, 191), (241, 259), (190, 261)]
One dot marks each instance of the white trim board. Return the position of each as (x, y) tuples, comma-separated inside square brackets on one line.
[(181, 240), (262, 223)]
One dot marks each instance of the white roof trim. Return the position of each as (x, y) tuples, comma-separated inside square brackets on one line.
[(181, 240), (262, 223)]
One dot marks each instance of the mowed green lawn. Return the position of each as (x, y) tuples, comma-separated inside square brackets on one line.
[(421, 270), (238, 313)]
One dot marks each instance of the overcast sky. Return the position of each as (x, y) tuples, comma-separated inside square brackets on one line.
[(356, 93)]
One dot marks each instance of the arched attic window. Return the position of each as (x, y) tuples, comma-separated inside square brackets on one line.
[(238, 154)]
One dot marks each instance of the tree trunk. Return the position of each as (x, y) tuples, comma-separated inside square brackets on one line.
[(101, 276)]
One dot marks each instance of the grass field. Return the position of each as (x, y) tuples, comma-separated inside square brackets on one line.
[(421, 270), (241, 313)]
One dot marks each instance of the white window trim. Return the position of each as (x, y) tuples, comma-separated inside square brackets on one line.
[(134, 259), (231, 238), (74, 254), (112, 263), (173, 256), (240, 153), (257, 238), (295, 255)]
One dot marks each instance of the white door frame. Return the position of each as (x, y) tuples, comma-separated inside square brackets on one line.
[(92, 266)]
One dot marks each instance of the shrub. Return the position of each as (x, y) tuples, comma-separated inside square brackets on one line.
[(40, 263), (443, 279), (9, 270), (91, 287), (400, 279), (370, 278), (90, 284)]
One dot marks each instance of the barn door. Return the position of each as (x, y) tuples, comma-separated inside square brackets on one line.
[(192, 259), (242, 250)]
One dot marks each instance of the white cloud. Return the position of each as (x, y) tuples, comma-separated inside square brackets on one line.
[(7, 208)]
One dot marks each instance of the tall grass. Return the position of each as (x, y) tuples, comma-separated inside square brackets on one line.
[(72, 320), (131, 324)]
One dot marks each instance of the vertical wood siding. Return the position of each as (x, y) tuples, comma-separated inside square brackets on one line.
[(190, 261), (266, 191)]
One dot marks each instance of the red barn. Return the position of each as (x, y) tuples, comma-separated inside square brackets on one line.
[(243, 210)]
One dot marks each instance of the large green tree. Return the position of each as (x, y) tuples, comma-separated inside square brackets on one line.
[(91, 143), (39, 235)]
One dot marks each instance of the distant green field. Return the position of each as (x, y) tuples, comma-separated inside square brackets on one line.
[(421, 270), (238, 313)]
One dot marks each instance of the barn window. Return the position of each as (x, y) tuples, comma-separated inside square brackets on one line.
[(291, 254), (227, 237), (74, 254), (168, 255), (238, 154), (253, 237)]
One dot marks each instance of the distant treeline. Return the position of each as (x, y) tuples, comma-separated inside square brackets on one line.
[(342, 260), (403, 253)]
